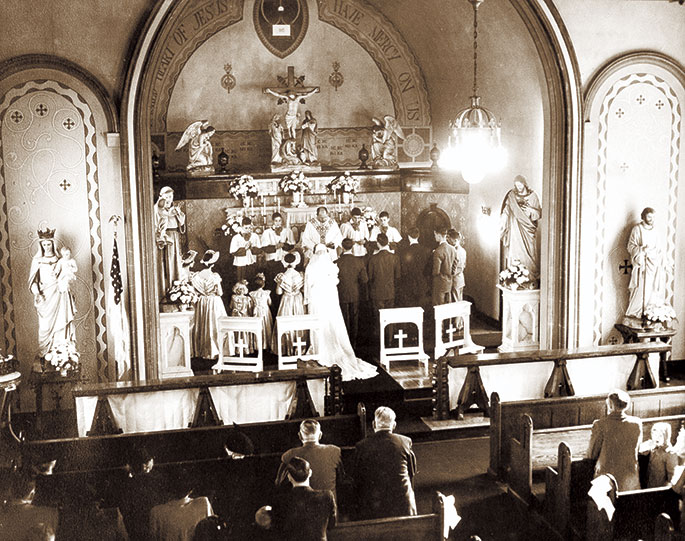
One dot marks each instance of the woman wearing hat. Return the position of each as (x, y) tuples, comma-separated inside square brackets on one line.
[(208, 309), (289, 285)]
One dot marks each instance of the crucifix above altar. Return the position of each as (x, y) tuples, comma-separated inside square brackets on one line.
[(288, 151)]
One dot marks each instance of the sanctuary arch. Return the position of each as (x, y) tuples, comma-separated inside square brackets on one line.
[(158, 61)]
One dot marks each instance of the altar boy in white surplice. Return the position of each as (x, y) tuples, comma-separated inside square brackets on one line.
[(244, 248), (276, 241), (356, 230), (322, 230)]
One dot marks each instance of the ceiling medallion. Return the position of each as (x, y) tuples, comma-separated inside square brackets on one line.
[(281, 24)]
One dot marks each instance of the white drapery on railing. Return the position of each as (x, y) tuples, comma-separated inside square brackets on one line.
[(174, 409)]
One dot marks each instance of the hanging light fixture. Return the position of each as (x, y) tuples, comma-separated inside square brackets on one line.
[(474, 146)]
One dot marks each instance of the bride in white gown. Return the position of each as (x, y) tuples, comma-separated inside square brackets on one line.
[(321, 299)]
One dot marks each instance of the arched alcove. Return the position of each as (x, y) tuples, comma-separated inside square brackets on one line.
[(562, 111), (633, 156), (59, 169)]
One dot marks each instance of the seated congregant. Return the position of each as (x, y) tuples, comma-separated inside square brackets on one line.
[(384, 468), (325, 460), (662, 457), (615, 441), (19, 517), (178, 517), (303, 514)]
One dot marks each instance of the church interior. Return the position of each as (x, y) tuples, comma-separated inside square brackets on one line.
[(219, 218)]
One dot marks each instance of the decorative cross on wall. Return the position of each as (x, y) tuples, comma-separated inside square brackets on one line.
[(626, 266), (64, 185), (68, 124), (640, 99), (400, 336), (624, 167), (659, 104), (620, 112), (613, 340), (17, 117), (299, 345), (41, 110)]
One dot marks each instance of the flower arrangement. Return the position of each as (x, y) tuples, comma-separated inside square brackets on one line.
[(233, 222), (182, 292), (663, 314), (294, 182), (370, 217), (344, 183), (63, 358), (516, 276), (243, 186)]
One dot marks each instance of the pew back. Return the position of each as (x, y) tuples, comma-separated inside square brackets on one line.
[(97, 452), (565, 412)]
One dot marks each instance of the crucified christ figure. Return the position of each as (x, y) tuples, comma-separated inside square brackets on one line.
[(293, 99)]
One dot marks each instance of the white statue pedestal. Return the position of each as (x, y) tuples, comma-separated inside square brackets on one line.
[(174, 355), (520, 319)]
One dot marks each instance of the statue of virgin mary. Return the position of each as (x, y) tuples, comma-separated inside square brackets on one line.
[(49, 280)]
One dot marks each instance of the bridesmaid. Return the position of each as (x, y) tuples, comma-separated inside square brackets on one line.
[(208, 309)]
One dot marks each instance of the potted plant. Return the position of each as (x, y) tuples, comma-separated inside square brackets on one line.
[(62, 358), (516, 276), (658, 317), (183, 294)]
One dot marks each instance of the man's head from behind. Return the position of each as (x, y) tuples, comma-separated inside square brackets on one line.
[(299, 471), (310, 430), (618, 400), (347, 244), (382, 239), (384, 419)]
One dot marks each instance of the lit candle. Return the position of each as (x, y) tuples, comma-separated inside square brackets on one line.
[(279, 204), (325, 200), (339, 203), (263, 206)]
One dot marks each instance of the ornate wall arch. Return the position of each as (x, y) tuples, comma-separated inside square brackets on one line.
[(564, 118), (53, 119)]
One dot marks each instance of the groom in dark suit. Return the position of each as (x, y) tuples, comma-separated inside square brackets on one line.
[(352, 278), (444, 260), (384, 468), (303, 514)]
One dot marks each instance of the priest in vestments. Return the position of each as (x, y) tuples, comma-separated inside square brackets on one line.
[(520, 214), (322, 230)]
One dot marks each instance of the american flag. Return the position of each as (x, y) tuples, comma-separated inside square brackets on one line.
[(117, 322)]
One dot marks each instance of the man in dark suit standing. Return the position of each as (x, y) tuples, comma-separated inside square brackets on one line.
[(325, 460), (384, 468), (615, 441), (352, 278), (384, 274), (444, 260), (414, 263), (303, 514)]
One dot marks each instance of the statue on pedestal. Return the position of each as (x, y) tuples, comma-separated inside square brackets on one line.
[(200, 152), (276, 133), (520, 214), (50, 279), (647, 289), (384, 137), (309, 153), (170, 225)]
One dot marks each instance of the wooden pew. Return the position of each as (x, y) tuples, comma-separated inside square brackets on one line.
[(535, 451), (417, 528), (665, 531), (111, 451), (559, 383), (635, 513), (565, 412)]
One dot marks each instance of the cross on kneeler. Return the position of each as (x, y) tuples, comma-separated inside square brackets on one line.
[(299, 344), (451, 330), (626, 266), (400, 336), (241, 345)]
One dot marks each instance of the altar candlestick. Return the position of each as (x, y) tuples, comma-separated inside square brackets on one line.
[(279, 204), (263, 206)]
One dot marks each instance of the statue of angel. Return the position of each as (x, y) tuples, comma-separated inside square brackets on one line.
[(200, 152), (384, 141)]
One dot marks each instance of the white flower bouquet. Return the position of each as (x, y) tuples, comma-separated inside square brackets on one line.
[(63, 358), (243, 186), (294, 182), (516, 276), (344, 183), (182, 292), (663, 314), (370, 217)]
